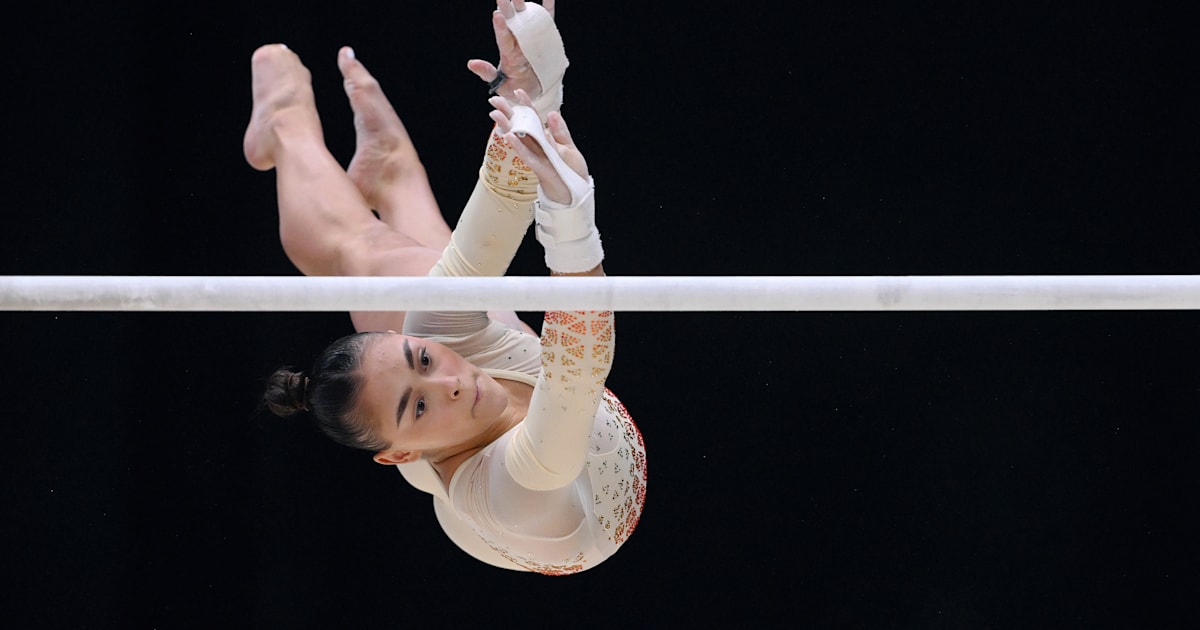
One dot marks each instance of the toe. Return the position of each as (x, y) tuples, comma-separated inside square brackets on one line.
[(352, 69), (355, 75), (346, 58), (269, 52)]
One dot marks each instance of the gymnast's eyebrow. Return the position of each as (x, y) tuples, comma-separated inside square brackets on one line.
[(403, 405), (408, 355)]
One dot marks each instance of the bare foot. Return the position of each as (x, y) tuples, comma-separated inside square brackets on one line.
[(283, 99), (384, 155)]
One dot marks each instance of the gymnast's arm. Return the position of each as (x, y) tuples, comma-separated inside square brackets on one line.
[(499, 210), (483, 243), (549, 448)]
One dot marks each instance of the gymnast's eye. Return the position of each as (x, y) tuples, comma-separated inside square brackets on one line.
[(425, 360), (419, 410)]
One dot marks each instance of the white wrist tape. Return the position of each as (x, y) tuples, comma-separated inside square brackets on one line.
[(538, 36), (568, 233)]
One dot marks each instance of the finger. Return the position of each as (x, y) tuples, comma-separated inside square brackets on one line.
[(502, 122), (483, 69), (502, 105), (548, 5), (518, 5), (523, 98), (558, 129), (505, 7), (505, 41)]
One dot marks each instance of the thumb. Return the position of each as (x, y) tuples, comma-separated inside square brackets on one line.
[(558, 129), (482, 69)]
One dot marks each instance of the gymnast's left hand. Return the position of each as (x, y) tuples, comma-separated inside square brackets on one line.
[(530, 151)]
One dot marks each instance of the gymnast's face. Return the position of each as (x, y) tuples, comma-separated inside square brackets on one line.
[(423, 398)]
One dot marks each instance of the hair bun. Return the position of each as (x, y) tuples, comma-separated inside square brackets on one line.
[(299, 387), (287, 392)]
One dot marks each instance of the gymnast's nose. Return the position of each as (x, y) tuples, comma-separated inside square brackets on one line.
[(451, 385)]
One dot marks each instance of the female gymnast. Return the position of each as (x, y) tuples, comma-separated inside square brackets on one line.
[(532, 463)]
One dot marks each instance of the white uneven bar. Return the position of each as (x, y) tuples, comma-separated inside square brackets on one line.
[(618, 293)]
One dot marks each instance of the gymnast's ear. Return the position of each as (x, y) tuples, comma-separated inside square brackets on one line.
[(393, 457)]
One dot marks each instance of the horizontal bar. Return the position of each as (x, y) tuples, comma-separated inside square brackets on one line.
[(617, 293)]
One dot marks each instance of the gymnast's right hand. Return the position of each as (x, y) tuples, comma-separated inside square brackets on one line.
[(513, 63)]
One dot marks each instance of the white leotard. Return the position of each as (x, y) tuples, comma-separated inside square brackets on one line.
[(563, 490)]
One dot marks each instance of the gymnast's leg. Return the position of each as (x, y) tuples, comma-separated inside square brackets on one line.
[(325, 224), (389, 174), (386, 168)]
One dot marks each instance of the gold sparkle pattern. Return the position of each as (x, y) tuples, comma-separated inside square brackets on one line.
[(567, 567), (619, 476), (505, 170), (616, 453), (620, 489), (618, 479)]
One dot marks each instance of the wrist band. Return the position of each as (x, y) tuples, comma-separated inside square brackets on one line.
[(569, 234)]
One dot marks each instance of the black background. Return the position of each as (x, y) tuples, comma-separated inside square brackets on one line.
[(813, 469)]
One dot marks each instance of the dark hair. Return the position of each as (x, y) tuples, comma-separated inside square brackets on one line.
[(330, 391)]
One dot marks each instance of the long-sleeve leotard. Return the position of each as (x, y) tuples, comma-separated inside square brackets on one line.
[(562, 490)]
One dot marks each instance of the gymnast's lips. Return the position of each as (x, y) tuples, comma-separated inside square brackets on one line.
[(477, 396)]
